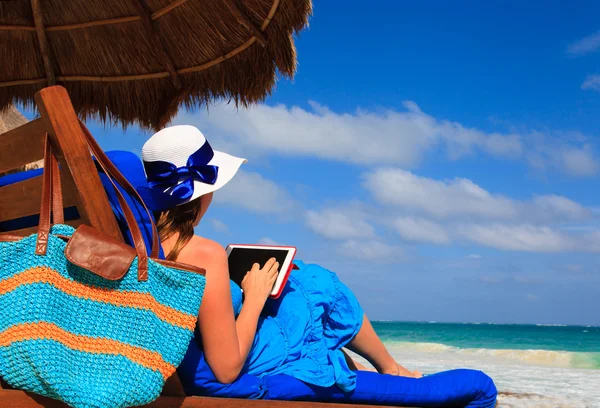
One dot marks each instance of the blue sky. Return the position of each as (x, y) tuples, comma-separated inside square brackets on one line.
[(441, 157)]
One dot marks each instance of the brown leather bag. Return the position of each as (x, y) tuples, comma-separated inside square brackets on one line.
[(88, 247)]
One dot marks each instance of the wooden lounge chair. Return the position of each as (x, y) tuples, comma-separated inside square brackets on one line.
[(82, 189)]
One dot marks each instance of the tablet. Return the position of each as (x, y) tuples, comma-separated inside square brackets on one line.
[(242, 257)]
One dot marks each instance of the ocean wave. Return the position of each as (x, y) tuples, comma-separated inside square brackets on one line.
[(551, 358), (530, 400)]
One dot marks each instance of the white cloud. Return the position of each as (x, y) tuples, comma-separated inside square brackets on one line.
[(506, 237), (491, 280), (523, 237), (418, 208), (461, 197), (573, 268), (441, 199), (556, 207), (370, 250), (219, 225), (591, 82), (363, 137), (268, 241), (574, 158), (385, 137), (422, 209), (513, 280), (586, 45), (255, 193), (579, 161), (338, 223), (420, 230), (464, 210)]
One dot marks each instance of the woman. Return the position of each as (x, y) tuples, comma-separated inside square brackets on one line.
[(228, 342), (300, 334)]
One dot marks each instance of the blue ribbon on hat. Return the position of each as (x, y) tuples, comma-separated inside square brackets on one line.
[(170, 185)]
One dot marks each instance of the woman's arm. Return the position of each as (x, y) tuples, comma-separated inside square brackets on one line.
[(257, 285), (355, 365), (225, 342)]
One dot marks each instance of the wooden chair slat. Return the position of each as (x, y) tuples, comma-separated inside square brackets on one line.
[(32, 230), (23, 198), (21, 399), (210, 402), (22, 145), (173, 387), (72, 152)]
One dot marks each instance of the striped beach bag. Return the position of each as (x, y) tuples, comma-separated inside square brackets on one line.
[(87, 319)]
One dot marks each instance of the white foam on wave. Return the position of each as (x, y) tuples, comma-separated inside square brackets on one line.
[(550, 358), (513, 400), (524, 378)]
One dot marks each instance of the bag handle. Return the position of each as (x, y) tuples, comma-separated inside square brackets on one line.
[(58, 212), (113, 173), (52, 203), (136, 233), (52, 200)]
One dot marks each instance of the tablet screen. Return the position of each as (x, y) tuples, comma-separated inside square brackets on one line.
[(242, 259)]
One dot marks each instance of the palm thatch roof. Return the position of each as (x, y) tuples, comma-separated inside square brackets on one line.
[(11, 118), (140, 60)]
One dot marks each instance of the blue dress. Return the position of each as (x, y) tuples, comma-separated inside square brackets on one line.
[(296, 356), (302, 332)]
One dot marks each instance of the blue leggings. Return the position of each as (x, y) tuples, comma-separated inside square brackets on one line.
[(450, 389), (455, 388)]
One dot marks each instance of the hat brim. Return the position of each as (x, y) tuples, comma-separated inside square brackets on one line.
[(228, 167)]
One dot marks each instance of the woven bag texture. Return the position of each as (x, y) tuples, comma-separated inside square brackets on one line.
[(71, 335)]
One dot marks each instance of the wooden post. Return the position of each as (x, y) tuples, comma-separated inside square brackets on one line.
[(156, 41), (246, 23), (36, 10), (74, 157)]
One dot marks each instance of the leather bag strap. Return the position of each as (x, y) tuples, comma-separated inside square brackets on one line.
[(52, 200), (134, 228), (58, 212), (114, 174)]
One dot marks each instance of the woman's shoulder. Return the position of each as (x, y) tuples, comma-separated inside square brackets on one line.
[(200, 249), (205, 245)]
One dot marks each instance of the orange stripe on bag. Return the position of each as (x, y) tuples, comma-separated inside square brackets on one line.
[(50, 331), (114, 297)]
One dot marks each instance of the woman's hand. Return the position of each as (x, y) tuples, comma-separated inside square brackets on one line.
[(258, 283)]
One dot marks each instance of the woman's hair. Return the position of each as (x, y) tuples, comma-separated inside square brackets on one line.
[(178, 220)]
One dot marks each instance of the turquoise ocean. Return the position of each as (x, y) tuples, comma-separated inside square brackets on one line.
[(532, 365)]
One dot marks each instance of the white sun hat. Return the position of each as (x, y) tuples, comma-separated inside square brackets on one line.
[(181, 166)]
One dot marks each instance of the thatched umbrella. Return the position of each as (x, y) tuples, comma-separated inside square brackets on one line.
[(139, 60), (11, 118)]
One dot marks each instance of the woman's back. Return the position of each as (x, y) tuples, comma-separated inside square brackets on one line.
[(200, 251)]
